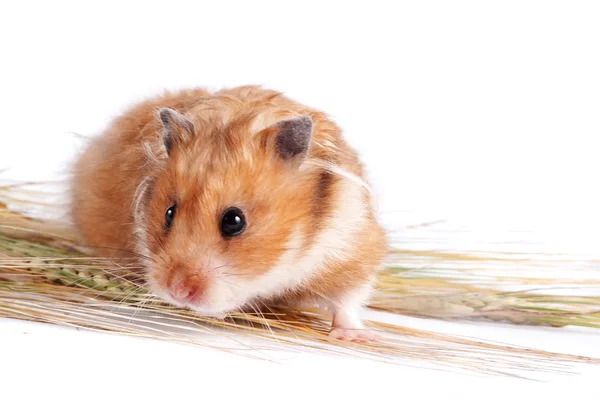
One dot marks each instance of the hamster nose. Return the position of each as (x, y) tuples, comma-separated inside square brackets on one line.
[(182, 293), (186, 290)]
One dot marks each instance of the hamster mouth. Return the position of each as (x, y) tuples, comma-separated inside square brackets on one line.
[(199, 308), (203, 311)]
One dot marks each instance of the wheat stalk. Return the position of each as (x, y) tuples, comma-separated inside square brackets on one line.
[(45, 276), (439, 293)]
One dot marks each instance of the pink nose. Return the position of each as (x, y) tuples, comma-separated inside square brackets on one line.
[(183, 293), (187, 289), (184, 285)]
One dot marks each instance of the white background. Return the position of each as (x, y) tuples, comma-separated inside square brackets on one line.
[(484, 113)]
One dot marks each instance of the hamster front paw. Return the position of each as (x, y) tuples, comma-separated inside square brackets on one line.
[(354, 335), (346, 325)]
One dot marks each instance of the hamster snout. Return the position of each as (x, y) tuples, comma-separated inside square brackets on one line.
[(203, 283)]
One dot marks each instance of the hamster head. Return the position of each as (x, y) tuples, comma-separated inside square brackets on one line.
[(227, 207)]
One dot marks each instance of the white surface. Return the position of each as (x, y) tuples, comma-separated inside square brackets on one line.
[(46, 360), (482, 114)]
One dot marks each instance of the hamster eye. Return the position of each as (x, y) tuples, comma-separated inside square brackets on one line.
[(233, 222), (169, 215)]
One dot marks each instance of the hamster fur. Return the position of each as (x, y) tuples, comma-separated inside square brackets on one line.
[(159, 179)]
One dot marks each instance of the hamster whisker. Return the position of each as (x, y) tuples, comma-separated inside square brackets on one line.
[(130, 295), (246, 316), (231, 283), (219, 267), (266, 322), (140, 307), (117, 249), (274, 314), (238, 274)]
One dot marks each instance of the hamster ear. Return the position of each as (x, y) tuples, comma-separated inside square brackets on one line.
[(176, 128), (292, 137)]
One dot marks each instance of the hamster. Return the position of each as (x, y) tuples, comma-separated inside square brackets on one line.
[(233, 198)]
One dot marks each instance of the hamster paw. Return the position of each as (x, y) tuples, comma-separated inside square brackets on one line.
[(354, 335)]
